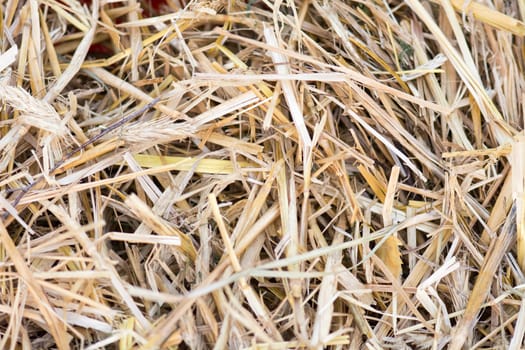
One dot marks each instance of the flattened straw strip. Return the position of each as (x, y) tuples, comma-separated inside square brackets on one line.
[(23, 52), (517, 338), (103, 344), (327, 294), (8, 58), (192, 16), (50, 48), (390, 250), (36, 65), (199, 165), (518, 195)]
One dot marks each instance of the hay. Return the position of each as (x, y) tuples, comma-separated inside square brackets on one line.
[(262, 175)]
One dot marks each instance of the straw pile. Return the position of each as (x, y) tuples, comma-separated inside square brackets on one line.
[(262, 175)]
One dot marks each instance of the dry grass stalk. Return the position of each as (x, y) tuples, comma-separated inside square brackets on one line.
[(481, 288), (311, 174)]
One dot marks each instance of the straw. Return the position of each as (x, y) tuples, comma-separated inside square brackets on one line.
[(262, 174)]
